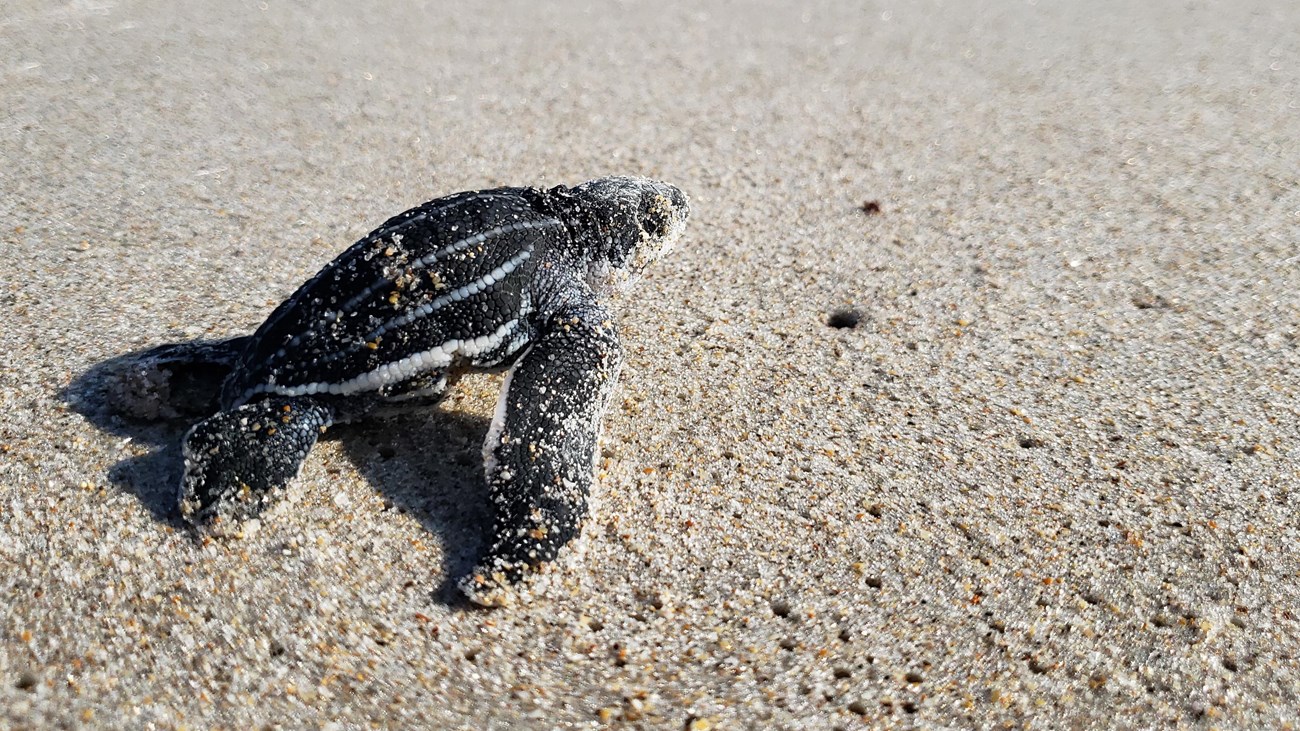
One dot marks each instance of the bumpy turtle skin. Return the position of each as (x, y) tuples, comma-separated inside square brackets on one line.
[(480, 281), (237, 462), (540, 452)]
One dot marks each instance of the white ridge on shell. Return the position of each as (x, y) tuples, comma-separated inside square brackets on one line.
[(438, 357)]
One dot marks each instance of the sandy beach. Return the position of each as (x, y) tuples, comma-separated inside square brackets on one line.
[(970, 399)]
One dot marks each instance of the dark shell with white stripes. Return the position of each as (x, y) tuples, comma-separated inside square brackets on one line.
[(441, 289)]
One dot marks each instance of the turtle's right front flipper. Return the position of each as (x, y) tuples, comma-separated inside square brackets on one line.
[(237, 462), (174, 380), (540, 452)]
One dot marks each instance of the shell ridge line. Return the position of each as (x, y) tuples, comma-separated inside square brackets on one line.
[(482, 284), (422, 215), (418, 265), (412, 365)]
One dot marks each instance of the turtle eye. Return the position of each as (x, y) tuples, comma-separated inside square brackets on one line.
[(653, 225)]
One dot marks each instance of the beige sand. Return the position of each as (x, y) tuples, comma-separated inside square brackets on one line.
[(1050, 478)]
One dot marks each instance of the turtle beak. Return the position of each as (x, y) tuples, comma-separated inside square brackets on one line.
[(682, 211), (673, 208)]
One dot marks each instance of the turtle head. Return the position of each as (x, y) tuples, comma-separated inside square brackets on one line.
[(631, 223)]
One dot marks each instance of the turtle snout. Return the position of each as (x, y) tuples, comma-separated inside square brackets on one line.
[(681, 210), (664, 211), (677, 202)]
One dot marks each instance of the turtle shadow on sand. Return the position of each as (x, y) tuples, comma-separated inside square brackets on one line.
[(426, 464), (430, 466), (151, 475)]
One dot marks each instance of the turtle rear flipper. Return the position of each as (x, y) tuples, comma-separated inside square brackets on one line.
[(175, 380), (238, 461)]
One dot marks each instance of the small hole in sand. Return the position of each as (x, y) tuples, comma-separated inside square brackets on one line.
[(845, 318)]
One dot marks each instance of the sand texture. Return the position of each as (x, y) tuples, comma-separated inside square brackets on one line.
[(1049, 479)]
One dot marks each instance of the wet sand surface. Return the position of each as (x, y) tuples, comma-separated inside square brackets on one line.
[(970, 397)]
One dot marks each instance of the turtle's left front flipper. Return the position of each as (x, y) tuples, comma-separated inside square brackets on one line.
[(237, 461), (540, 451)]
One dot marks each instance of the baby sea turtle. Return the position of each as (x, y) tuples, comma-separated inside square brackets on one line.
[(490, 280)]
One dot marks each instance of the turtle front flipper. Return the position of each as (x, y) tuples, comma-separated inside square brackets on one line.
[(540, 451), (174, 380), (238, 461)]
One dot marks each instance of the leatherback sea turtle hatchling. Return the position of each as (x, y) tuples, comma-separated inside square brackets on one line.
[(496, 279)]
